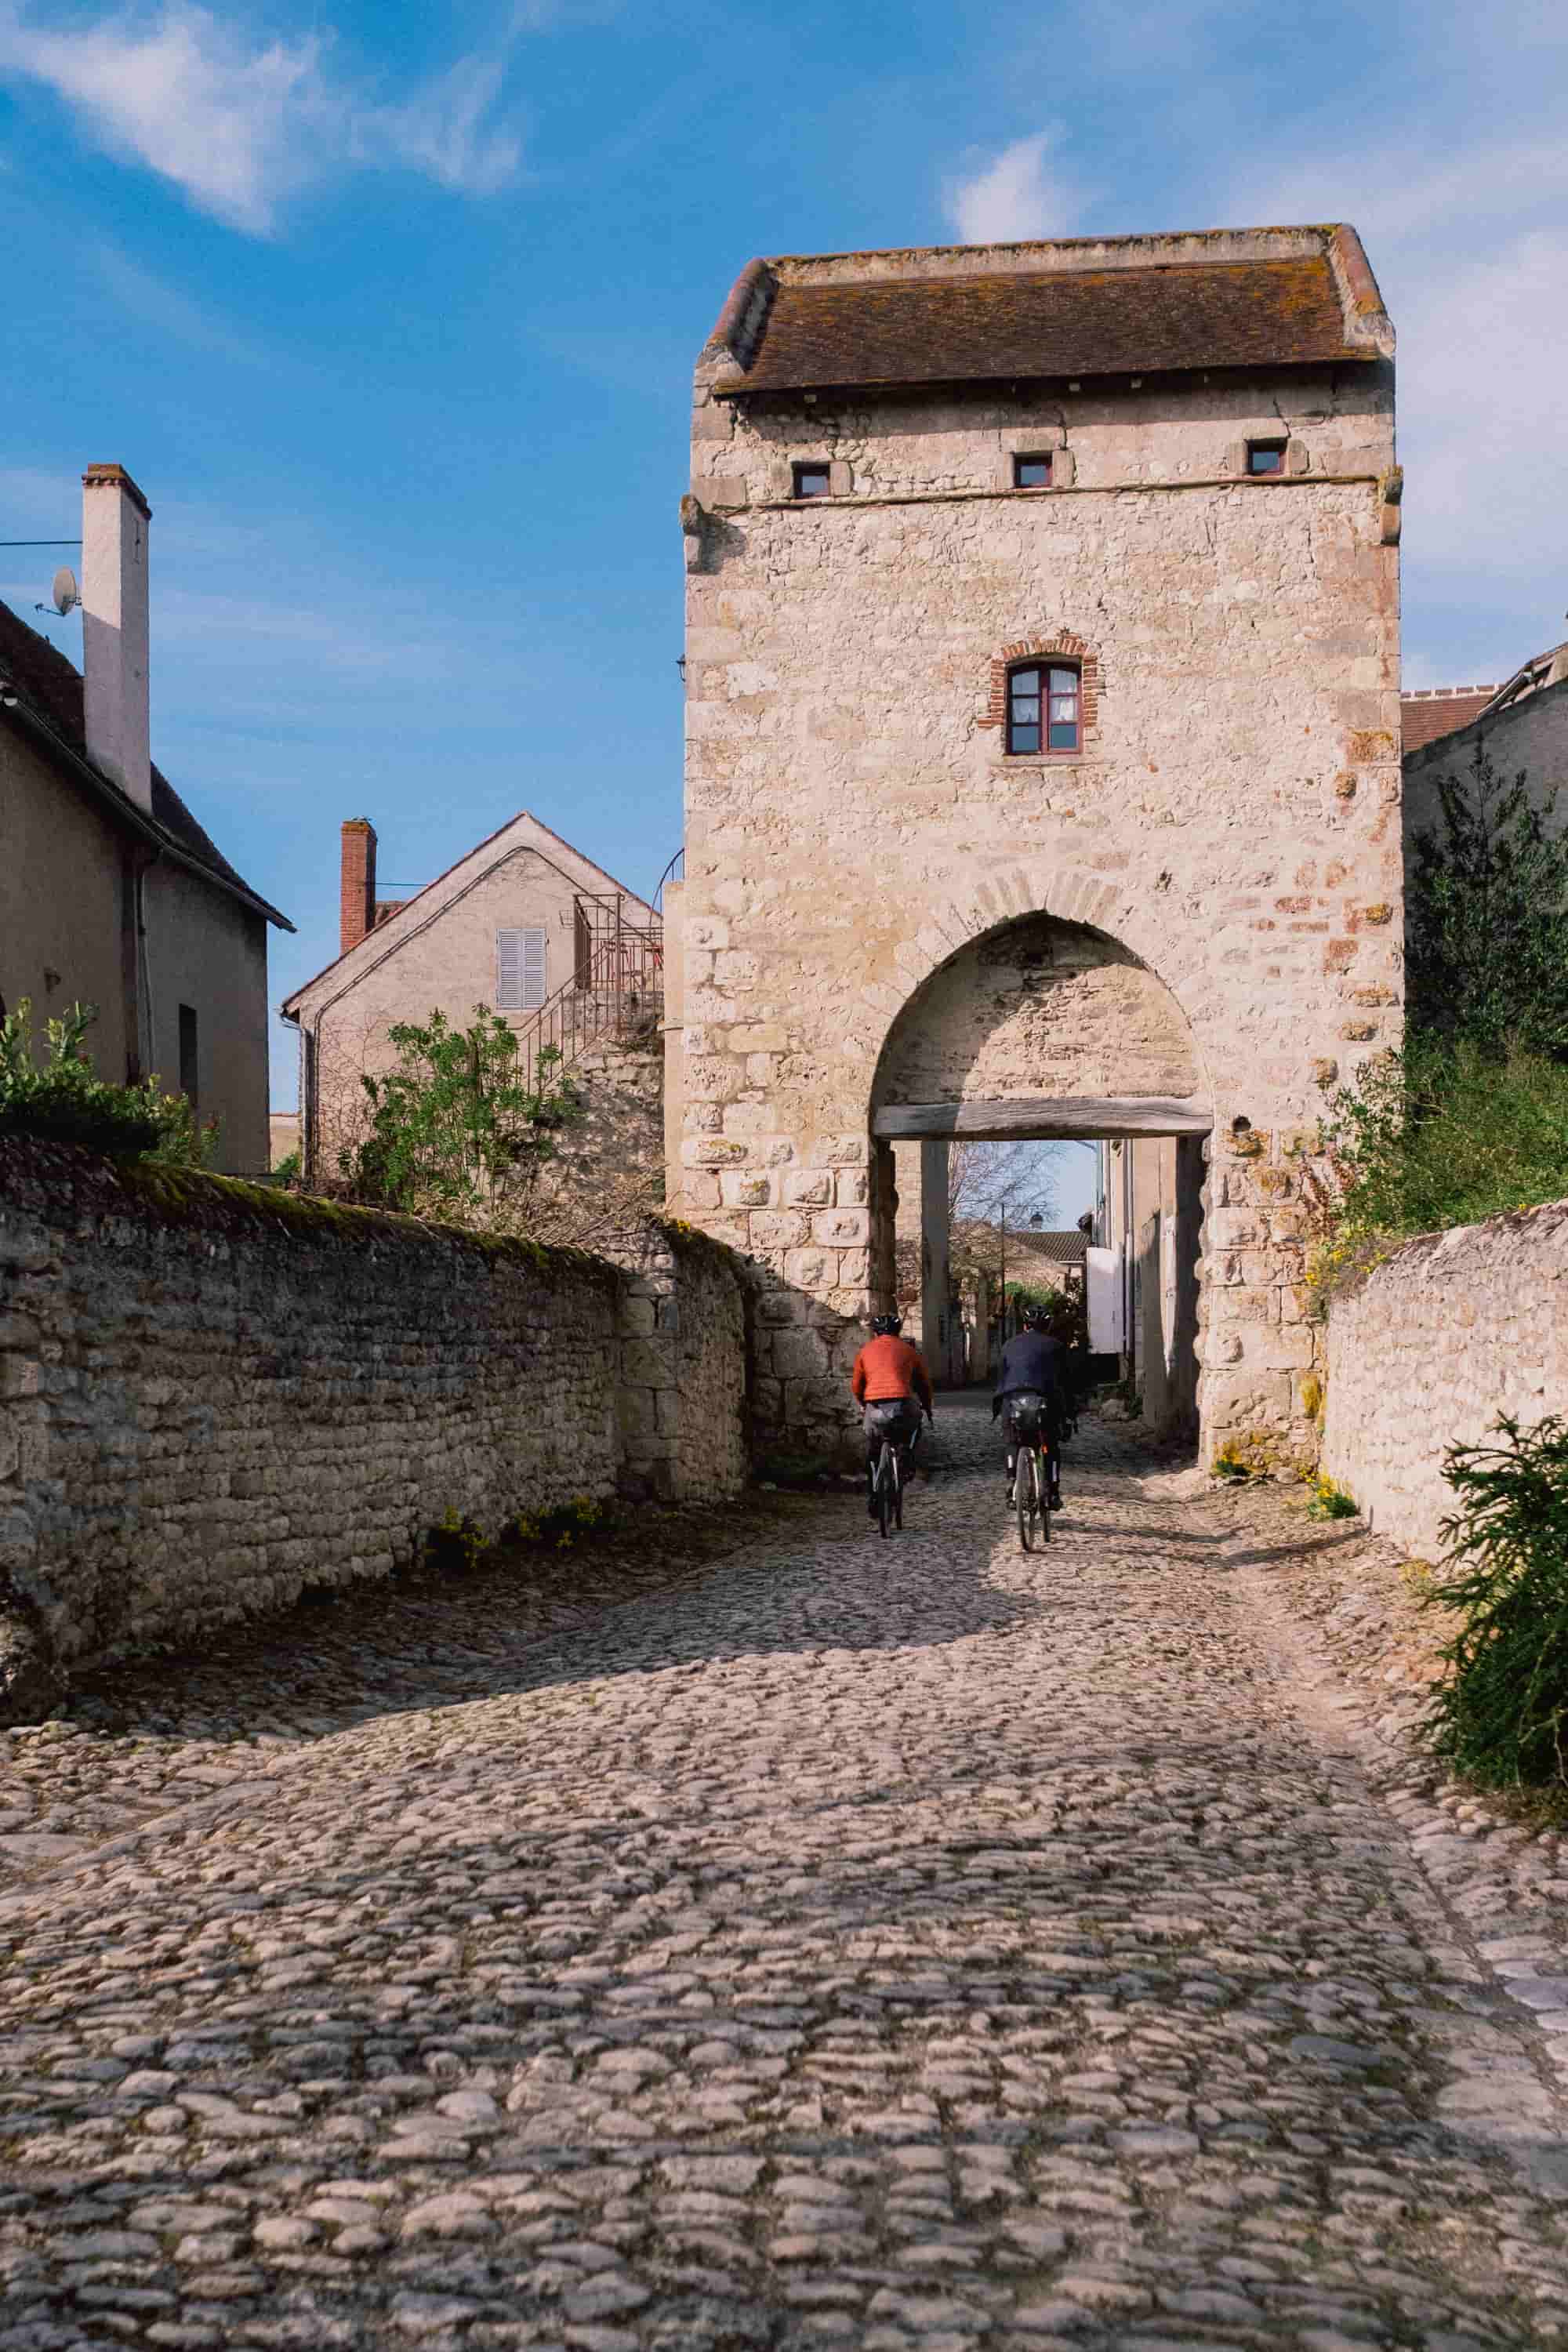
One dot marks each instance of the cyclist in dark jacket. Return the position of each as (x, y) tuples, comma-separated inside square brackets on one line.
[(1031, 1388)]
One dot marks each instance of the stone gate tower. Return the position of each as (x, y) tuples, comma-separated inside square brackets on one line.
[(1043, 756)]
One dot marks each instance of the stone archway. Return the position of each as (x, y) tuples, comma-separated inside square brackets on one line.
[(1043, 1026)]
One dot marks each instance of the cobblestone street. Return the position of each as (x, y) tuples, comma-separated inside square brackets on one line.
[(878, 1945)]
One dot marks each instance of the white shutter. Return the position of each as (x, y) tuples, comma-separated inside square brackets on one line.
[(508, 971), (532, 970), (519, 970)]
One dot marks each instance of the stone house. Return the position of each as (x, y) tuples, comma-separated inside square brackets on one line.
[(1042, 760), (110, 892), (524, 924)]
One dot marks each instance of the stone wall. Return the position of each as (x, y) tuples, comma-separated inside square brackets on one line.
[(607, 1176), (1452, 1330), (212, 1396), (684, 1403)]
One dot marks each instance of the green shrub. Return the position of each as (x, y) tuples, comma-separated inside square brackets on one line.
[(1471, 1118), (1434, 1137), (1487, 916), (459, 1129), (1066, 1317), (1500, 1711), (65, 1102)]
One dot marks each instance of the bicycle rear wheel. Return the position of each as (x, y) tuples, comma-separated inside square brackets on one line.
[(884, 1486), (1042, 1495), (1026, 1493), (898, 1488)]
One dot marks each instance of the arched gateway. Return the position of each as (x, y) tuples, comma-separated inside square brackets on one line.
[(1042, 754)]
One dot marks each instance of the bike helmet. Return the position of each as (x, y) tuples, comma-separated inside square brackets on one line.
[(887, 1327), (1037, 1318)]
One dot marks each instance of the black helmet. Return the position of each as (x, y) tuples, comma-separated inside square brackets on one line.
[(1037, 1318), (888, 1327)]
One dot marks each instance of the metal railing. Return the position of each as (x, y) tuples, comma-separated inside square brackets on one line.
[(617, 987)]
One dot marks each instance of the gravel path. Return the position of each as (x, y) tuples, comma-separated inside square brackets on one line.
[(885, 1946)]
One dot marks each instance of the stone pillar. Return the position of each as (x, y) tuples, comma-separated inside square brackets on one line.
[(1259, 1344), (936, 1311)]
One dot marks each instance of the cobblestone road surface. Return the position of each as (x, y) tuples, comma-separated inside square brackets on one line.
[(884, 1945)]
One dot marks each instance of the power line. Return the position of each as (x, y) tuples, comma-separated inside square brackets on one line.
[(41, 542)]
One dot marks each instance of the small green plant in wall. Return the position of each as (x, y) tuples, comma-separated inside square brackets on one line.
[(562, 1527), (1329, 1501), (454, 1544)]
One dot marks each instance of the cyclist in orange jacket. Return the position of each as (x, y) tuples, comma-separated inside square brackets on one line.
[(893, 1386)]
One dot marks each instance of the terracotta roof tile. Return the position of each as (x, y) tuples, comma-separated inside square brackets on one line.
[(953, 329), (53, 686), (1057, 1248), (1430, 712)]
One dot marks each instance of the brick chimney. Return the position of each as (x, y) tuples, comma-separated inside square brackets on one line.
[(114, 519), (357, 902)]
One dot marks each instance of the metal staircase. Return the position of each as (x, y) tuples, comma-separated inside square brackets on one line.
[(617, 986)]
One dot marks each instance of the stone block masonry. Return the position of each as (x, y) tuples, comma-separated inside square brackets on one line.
[(213, 1397), (1449, 1332), (1196, 896), (686, 1319)]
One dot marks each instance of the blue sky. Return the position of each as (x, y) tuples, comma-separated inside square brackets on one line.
[(392, 311)]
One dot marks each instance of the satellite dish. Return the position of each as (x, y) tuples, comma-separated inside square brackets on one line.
[(65, 592)]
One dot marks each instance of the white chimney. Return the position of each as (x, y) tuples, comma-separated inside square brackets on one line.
[(114, 519)]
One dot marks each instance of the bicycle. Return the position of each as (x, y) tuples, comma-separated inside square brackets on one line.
[(888, 1483), (1031, 1483)]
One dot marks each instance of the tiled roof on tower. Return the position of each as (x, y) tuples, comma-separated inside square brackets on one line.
[(1082, 307)]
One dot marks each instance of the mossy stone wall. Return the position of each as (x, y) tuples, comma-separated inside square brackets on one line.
[(214, 1395)]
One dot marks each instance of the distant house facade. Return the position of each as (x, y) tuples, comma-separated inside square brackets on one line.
[(110, 892), (524, 924), (1520, 726)]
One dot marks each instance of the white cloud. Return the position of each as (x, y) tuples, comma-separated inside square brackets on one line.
[(445, 134), (1017, 194), (241, 125)]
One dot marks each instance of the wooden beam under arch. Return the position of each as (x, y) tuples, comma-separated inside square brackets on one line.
[(1043, 1120)]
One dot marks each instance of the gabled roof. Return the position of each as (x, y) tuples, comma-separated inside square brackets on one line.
[(968, 314), (38, 684), (397, 919), (1056, 1248)]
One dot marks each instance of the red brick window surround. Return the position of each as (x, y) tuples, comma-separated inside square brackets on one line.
[(1008, 709)]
